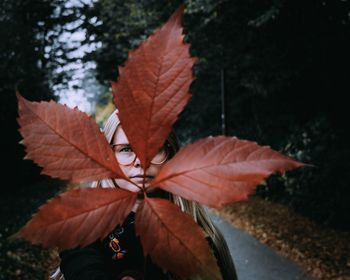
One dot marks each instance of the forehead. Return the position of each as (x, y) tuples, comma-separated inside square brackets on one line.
[(120, 137)]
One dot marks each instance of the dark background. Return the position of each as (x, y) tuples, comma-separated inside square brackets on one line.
[(284, 63)]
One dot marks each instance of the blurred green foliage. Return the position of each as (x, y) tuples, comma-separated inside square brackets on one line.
[(285, 68), (30, 52), (286, 79)]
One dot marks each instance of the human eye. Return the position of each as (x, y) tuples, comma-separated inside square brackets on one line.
[(124, 149)]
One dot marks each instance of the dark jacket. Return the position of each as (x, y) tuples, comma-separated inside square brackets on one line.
[(99, 261)]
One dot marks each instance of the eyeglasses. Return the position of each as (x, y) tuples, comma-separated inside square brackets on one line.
[(126, 156)]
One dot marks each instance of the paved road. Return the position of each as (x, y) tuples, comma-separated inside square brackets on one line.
[(256, 261)]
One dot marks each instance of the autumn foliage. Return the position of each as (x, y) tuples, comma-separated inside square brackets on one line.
[(150, 93)]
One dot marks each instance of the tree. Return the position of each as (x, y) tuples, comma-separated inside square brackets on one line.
[(285, 64), (30, 51)]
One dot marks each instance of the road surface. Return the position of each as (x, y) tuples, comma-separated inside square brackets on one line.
[(256, 261)]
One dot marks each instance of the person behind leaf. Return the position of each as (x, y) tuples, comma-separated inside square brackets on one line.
[(120, 255)]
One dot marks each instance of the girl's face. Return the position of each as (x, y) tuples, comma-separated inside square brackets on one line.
[(133, 170)]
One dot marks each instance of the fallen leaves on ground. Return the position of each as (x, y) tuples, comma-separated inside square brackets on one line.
[(324, 253), (20, 259)]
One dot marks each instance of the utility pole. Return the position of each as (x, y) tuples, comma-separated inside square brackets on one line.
[(223, 102)]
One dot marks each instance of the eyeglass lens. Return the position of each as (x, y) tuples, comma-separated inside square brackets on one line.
[(125, 155)]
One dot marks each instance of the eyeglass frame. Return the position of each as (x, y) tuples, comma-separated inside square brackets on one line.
[(165, 147)]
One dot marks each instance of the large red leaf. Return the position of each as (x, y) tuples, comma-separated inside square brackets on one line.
[(153, 88), (173, 239), (220, 170), (79, 217), (65, 142)]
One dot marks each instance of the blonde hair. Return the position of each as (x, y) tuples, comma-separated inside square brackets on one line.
[(195, 209)]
